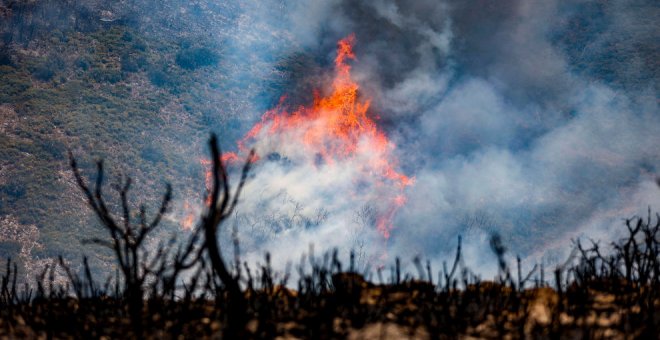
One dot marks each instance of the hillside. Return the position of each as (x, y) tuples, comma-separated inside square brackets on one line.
[(142, 93)]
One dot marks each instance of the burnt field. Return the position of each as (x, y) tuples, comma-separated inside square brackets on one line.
[(186, 288), (343, 305)]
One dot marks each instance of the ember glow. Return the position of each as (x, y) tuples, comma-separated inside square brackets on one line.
[(189, 218), (336, 130), (189, 210)]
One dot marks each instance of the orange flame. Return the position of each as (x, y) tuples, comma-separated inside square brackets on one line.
[(334, 128), (189, 211), (189, 219)]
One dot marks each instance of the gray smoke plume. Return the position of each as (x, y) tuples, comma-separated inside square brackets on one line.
[(537, 120)]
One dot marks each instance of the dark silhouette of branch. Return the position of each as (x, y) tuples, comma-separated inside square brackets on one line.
[(450, 274), (221, 206), (127, 238)]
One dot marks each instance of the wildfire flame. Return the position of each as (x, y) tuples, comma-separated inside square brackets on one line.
[(189, 210), (189, 218), (335, 128)]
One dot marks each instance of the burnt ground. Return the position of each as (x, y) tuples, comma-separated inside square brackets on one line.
[(355, 309)]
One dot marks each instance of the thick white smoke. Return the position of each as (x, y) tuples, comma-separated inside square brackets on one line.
[(512, 114)]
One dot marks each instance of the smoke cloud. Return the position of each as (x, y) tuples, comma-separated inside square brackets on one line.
[(519, 118)]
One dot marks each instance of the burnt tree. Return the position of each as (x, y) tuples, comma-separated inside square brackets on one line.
[(127, 237)]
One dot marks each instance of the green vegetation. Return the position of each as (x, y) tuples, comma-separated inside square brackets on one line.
[(126, 95), (194, 58)]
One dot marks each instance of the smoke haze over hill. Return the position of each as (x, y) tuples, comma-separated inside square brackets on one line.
[(537, 120)]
